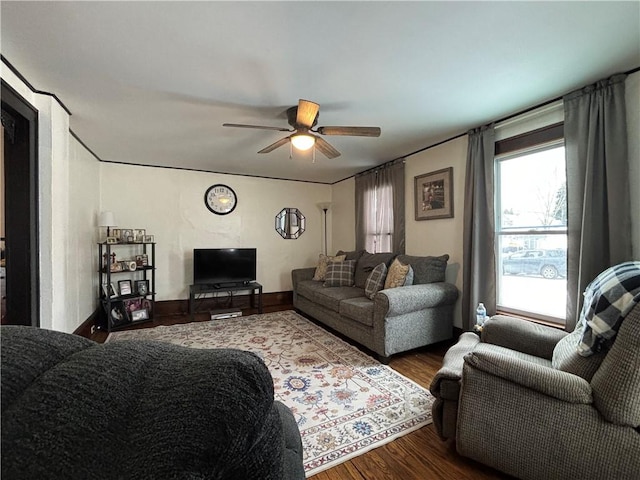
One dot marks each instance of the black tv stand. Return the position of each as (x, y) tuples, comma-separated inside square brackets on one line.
[(203, 289)]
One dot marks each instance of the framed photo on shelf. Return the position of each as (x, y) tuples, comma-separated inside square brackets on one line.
[(142, 287), (148, 239), (142, 260), (125, 287), (126, 233), (112, 240), (133, 304), (434, 195), (138, 235), (109, 291), (118, 315), (117, 233), (146, 304), (137, 315)]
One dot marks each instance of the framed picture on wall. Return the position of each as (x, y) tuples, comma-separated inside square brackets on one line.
[(434, 195)]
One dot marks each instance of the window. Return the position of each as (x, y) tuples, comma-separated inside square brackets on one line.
[(531, 224), (379, 219), (379, 198)]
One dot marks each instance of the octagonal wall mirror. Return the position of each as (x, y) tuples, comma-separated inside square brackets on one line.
[(290, 223)]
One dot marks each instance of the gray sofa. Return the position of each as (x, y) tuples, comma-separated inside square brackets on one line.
[(75, 409), (396, 319)]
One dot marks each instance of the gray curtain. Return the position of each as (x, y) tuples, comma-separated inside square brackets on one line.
[(386, 212), (479, 272), (364, 184), (598, 204)]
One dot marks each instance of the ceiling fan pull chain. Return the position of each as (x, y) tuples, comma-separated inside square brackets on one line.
[(290, 150), (314, 155)]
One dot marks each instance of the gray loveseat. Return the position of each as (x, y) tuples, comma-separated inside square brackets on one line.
[(75, 409), (396, 319)]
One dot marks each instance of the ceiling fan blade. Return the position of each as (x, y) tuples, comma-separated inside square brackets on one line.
[(350, 131), (261, 127), (307, 112), (326, 149), (275, 145)]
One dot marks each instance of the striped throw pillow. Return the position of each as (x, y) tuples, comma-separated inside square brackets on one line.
[(375, 280)]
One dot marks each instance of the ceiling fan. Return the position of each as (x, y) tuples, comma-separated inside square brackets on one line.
[(303, 118)]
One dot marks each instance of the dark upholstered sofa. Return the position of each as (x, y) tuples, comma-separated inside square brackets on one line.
[(395, 319), (75, 409)]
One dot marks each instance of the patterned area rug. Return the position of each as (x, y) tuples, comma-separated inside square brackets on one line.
[(345, 402)]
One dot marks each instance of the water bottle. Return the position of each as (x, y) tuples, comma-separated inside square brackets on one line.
[(481, 314)]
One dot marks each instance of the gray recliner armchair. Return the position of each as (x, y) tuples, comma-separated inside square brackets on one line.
[(522, 400)]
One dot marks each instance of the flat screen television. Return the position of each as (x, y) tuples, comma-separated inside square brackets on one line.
[(224, 266)]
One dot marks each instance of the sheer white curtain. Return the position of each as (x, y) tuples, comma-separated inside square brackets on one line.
[(380, 209)]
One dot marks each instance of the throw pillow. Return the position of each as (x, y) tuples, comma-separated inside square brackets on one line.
[(323, 262), (607, 301), (397, 275), (340, 274), (408, 280), (375, 280)]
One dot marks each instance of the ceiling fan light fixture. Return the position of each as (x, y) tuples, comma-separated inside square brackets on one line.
[(303, 141)]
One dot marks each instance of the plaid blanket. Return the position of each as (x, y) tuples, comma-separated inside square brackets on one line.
[(607, 300)]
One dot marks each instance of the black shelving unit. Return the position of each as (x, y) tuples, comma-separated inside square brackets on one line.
[(121, 310)]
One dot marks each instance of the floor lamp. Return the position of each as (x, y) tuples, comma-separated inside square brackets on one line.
[(324, 207)]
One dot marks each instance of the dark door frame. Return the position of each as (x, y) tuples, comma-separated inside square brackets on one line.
[(21, 211)]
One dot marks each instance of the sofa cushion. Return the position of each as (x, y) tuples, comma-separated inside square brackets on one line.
[(369, 261), (375, 280), (323, 263), (329, 297), (340, 274), (359, 309), (396, 275), (352, 255), (426, 269)]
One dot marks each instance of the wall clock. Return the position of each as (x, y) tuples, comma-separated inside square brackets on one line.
[(220, 199)]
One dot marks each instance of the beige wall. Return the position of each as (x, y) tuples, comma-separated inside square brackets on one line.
[(437, 237), (68, 194), (343, 215), (169, 204)]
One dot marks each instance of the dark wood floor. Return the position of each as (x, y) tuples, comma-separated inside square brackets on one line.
[(417, 455)]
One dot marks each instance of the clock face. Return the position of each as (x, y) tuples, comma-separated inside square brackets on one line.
[(220, 199)]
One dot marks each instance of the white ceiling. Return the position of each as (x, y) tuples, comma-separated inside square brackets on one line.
[(152, 82)]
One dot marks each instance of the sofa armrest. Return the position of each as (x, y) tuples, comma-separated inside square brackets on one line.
[(300, 274), (548, 381), (522, 335), (412, 298), (446, 383)]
